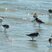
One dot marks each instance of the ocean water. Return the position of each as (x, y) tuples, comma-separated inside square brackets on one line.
[(19, 15)]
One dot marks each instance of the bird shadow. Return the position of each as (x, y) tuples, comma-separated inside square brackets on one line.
[(32, 44), (50, 46), (50, 49)]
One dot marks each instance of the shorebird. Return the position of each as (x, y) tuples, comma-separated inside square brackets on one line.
[(37, 19), (32, 35), (50, 40), (5, 26)]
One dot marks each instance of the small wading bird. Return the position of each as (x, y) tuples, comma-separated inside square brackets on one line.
[(33, 35), (37, 19), (50, 40), (5, 26)]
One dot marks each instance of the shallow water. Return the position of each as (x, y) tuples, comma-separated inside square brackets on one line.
[(18, 15)]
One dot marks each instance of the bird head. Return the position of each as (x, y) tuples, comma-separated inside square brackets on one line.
[(50, 10), (34, 15)]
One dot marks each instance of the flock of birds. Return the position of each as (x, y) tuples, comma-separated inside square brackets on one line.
[(32, 35), (35, 34)]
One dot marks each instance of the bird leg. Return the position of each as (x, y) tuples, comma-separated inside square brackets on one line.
[(50, 44), (32, 38), (6, 36), (39, 25), (5, 30)]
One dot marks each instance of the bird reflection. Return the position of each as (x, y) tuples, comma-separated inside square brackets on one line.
[(50, 50), (50, 18), (38, 30), (6, 36), (33, 44)]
